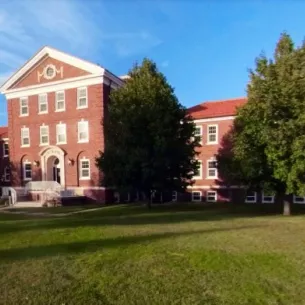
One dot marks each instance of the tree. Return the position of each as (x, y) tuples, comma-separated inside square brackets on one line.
[(148, 136), (268, 136)]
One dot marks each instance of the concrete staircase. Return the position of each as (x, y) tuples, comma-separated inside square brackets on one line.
[(27, 204)]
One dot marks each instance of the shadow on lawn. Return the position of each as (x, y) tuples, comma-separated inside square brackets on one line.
[(129, 215), (10, 255)]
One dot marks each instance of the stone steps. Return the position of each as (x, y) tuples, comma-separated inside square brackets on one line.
[(28, 204)]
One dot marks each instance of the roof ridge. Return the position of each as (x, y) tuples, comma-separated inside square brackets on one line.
[(225, 100)]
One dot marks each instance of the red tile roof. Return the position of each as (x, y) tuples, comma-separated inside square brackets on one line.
[(3, 132), (214, 109)]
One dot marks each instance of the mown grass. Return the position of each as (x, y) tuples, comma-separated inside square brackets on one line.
[(169, 255)]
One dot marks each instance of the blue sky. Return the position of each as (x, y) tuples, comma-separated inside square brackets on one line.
[(204, 48)]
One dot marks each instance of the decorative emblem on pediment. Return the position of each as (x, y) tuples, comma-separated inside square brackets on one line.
[(49, 72)]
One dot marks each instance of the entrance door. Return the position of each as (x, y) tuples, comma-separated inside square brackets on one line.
[(56, 171)]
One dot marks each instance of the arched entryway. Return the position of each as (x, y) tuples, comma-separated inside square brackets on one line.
[(52, 165)]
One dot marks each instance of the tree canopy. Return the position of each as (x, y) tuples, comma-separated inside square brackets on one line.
[(148, 135), (267, 141)]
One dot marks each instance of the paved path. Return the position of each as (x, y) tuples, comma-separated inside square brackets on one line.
[(7, 210)]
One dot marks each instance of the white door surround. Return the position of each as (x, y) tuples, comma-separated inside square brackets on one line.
[(48, 157)]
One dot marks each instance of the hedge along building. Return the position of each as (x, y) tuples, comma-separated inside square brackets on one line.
[(56, 103)]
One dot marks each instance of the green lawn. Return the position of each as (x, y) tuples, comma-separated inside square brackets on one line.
[(171, 255)]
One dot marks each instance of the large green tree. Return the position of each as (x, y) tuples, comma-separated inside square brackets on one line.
[(267, 141), (149, 138)]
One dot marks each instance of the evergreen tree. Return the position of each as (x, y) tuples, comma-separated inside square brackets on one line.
[(148, 136), (268, 136)]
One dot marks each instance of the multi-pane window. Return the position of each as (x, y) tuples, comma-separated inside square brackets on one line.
[(83, 131), (251, 197), (84, 169), (196, 196), (25, 136), (60, 101), (24, 106), (298, 199), (5, 149), (174, 196), (61, 136), (82, 97), (43, 103), (198, 133), (212, 134), (198, 171), (7, 174), (44, 135), (267, 198), (211, 196), (212, 169), (27, 170)]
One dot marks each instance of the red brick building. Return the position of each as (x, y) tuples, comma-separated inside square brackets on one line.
[(213, 120), (56, 103)]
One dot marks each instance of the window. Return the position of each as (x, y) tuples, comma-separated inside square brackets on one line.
[(25, 137), (174, 196), (44, 135), (61, 137), (198, 133), (82, 129), (251, 197), (212, 169), (82, 98), (267, 198), (7, 174), (84, 169), (198, 172), (43, 103), (27, 171), (5, 149), (298, 199), (196, 196), (116, 197), (24, 106), (211, 196), (212, 134), (60, 101)]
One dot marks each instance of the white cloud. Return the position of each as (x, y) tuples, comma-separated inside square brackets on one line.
[(82, 28), (165, 63)]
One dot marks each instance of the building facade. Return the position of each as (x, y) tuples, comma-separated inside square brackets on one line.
[(56, 104)]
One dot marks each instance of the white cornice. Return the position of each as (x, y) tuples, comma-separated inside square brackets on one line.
[(55, 86), (223, 118)]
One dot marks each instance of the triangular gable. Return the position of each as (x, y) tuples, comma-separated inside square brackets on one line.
[(50, 65)]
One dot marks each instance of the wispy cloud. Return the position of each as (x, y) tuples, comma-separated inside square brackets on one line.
[(83, 28), (165, 63)]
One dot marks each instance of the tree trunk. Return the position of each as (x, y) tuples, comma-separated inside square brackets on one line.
[(286, 207)]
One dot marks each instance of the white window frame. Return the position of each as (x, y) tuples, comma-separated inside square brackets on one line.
[(43, 95), (174, 196), (247, 200), (198, 177), (57, 101), (86, 123), (211, 193), (216, 170), (201, 133), (40, 135), (264, 196), (24, 171), (7, 168), (208, 134), (60, 124), (22, 137), (298, 201), (194, 194), (25, 98), (8, 148), (78, 97), (81, 177)]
